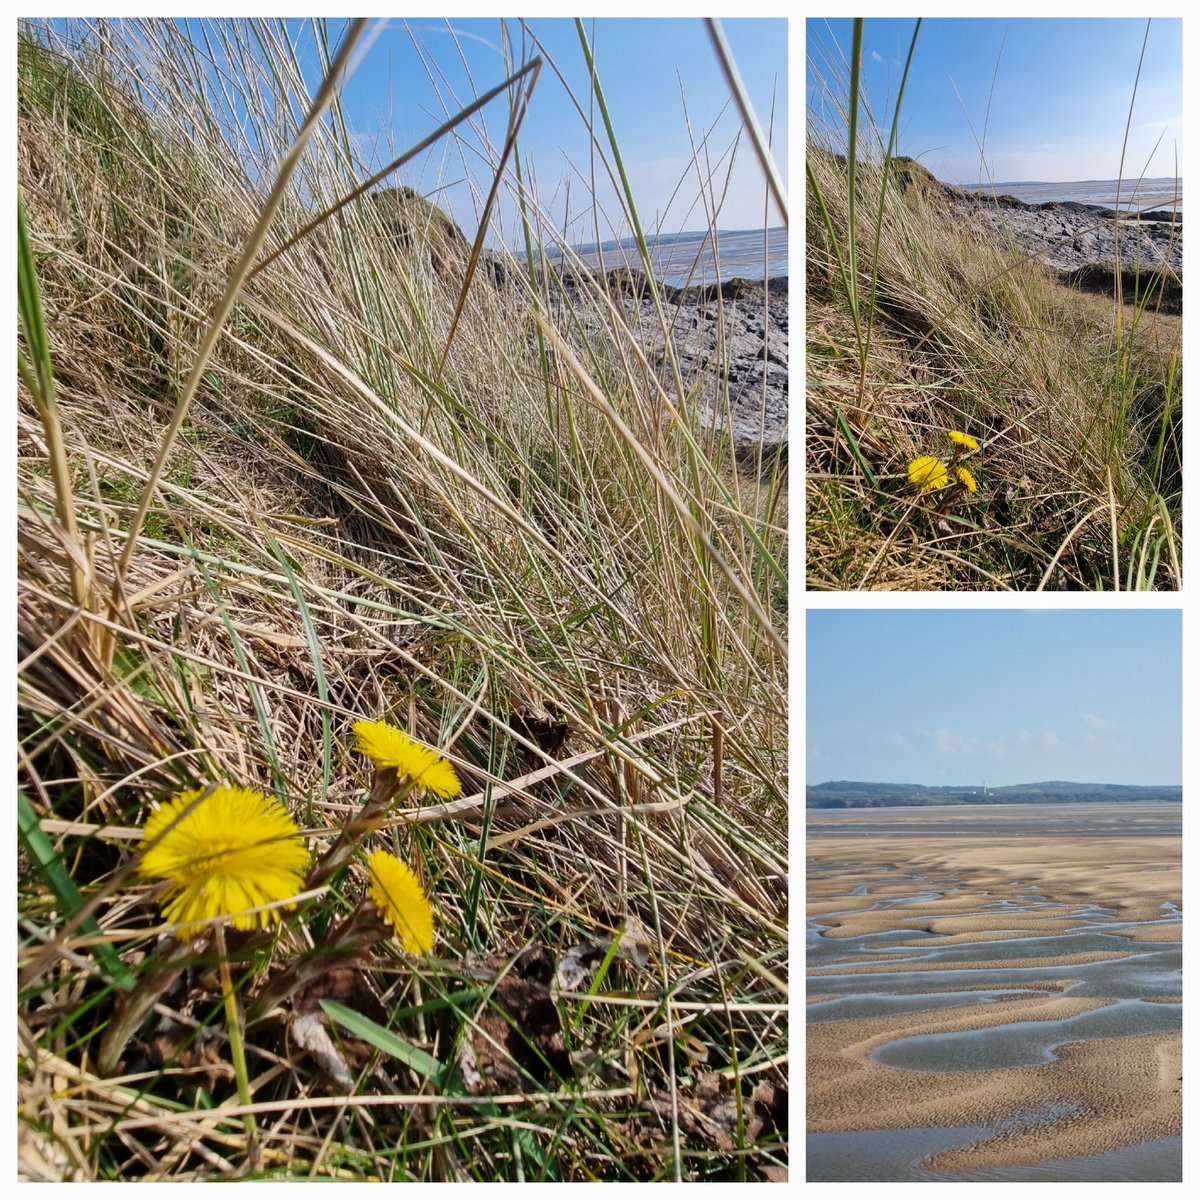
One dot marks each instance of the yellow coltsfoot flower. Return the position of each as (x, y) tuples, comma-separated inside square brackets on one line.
[(397, 894), (967, 479), (391, 748), (927, 473), (962, 439), (230, 852)]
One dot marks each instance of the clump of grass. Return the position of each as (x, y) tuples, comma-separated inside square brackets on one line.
[(916, 326), (395, 488)]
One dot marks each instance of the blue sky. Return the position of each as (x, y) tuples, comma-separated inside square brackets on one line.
[(421, 70), (959, 696), (1060, 100)]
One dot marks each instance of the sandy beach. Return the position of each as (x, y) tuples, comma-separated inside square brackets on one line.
[(968, 897)]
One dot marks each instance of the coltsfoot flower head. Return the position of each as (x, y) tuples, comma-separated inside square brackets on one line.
[(234, 850), (389, 747), (927, 473), (962, 439), (967, 480), (397, 894)]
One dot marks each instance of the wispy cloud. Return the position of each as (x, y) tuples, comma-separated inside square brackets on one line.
[(956, 745), (950, 744), (1160, 123), (876, 56), (945, 742)]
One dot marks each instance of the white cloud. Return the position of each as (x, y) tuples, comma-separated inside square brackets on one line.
[(1160, 124), (1024, 737), (1050, 740), (950, 744), (876, 56), (956, 745), (898, 740), (1101, 723)]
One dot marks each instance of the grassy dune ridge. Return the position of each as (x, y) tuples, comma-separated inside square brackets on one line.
[(918, 324), (403, 490)]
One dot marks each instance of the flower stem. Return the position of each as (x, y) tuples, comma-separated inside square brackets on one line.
[(386, 790), (237, 1047), (133, 1009), (350, 942)]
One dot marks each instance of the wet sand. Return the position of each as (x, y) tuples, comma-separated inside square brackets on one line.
[(1109, 1092)]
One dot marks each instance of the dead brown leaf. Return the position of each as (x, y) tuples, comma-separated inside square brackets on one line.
[(516, 1042)]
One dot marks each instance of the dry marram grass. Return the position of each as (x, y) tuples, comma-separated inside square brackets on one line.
[(580, 608)]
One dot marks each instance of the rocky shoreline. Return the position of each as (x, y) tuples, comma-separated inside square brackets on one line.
[(731, 334), (738, 323), (1068, 236), (1078, 242)]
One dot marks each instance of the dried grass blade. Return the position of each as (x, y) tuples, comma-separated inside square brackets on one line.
[(232, 289)]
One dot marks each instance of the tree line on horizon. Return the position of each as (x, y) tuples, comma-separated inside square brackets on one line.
[(857, 794)]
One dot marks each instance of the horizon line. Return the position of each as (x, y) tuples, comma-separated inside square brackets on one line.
[(1030, 783), (1099, 179)]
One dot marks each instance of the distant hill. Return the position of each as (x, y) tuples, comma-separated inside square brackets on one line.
[(848, 794)]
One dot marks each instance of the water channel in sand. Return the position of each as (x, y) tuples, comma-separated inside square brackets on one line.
[(897, 1155), (903, 935), (1023, 1043)]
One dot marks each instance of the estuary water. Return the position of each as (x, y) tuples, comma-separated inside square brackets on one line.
[(1143, 195), (898, 1155), (687, 259), (1025, 1043), (1008, 820)]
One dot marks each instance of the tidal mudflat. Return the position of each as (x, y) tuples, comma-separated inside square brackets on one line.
[(994, 993)]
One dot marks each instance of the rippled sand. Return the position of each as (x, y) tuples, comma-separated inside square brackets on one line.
[(1118, 1091)]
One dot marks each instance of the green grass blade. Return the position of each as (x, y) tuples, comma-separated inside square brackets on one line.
[(887, 166), (38, 376), (256, 696), (852, 166), (844, 270), (852, 443), (385, 1041), (45, 858), (314, 646)]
